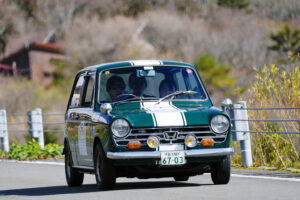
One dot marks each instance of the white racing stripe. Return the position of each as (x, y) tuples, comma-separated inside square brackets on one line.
[(165, 114), (145, 62)]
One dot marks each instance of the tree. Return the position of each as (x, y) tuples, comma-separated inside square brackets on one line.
[(286, 40), (215, 74), (27, 6), (239, 4), (4, 33)]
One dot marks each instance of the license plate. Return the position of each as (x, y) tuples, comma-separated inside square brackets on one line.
[(172, 158)]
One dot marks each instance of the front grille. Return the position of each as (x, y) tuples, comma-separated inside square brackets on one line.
[(167, 135)]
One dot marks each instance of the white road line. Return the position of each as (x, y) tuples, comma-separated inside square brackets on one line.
[(34, 162), (266, 177), (233, 175)]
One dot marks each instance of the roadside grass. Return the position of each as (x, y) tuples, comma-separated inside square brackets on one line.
[(32, 151), (275, 86)]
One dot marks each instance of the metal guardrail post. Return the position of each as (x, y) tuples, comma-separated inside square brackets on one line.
[(239, 112), (35, 122), (4, 132)]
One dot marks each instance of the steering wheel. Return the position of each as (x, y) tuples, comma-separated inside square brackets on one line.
[(119, 97)]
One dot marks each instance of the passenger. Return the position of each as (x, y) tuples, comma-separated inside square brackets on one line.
[(115, 86), (166, 87), (138, 85)]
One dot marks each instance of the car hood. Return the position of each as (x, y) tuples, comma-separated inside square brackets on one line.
[(164, 114)]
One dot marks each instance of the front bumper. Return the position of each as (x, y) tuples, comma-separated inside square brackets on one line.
[(156, 154)]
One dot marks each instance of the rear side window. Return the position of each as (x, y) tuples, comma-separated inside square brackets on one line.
[(76, 96), (88, 93)]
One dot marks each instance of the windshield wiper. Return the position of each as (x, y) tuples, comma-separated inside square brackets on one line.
[(175, 94), (137, 98)]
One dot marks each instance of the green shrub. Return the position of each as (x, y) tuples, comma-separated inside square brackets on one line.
[(32, 151), (2, 154), (50, 138)]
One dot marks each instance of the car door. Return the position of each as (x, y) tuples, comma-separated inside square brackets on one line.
[(72, 117), (86, 129)]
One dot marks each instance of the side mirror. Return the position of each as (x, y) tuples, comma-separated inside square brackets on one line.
[(226, 103), (106, 108)]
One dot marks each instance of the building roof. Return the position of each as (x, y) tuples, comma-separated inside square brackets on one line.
[(6, 67), (52, 47), (48, 47)]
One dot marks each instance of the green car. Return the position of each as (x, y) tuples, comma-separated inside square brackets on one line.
[(144, 119)]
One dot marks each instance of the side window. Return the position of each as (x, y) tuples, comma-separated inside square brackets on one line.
[(75, 101), (88, 93)]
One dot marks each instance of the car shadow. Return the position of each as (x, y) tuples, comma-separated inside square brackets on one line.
[(88, 188)]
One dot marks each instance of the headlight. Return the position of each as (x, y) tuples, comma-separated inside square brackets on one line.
[(219, 124), (120, 128)]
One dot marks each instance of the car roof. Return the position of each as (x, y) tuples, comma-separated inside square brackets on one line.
[(135, 63)]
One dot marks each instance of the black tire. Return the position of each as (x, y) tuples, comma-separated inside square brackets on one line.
[(220, 172), (73, 177), (181, 178), (105, 173)]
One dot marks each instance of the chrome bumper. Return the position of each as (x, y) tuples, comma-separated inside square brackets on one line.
[(156, 154)]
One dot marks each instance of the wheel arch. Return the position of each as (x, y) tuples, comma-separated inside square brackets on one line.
[(66, 144), (96, 142)]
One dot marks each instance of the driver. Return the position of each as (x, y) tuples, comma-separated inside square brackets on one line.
[(115, 86), (138, 85), (166, 87)]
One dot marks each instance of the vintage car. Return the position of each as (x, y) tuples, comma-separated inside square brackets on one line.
[(144, 119)]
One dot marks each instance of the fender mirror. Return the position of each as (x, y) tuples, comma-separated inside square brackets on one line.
[(226, 104), (106, 108)]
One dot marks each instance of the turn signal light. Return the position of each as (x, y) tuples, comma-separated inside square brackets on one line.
[(207, 142), (134, 145)]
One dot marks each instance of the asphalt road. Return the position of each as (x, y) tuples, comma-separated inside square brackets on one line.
[(44, 181)]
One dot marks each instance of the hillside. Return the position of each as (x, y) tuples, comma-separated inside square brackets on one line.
[(211, 34)]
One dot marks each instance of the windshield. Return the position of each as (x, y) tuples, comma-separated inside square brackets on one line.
[(149, 83)]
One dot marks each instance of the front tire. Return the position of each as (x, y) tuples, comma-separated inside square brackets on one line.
[(105, 173), (220, 172), (73, 177)]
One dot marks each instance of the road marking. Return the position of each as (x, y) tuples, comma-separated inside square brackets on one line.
[(266, 177), (233, 175), (34, 162)]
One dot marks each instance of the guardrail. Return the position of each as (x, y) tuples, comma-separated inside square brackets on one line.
[(37, 124), (240, 127), (33, 122)]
